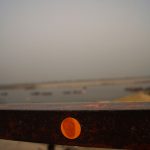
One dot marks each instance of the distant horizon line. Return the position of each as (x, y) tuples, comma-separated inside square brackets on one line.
[(77, 80)]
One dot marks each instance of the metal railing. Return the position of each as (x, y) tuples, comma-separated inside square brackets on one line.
[(124, 125)]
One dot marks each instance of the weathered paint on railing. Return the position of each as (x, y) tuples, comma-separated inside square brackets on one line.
[(105, 124)]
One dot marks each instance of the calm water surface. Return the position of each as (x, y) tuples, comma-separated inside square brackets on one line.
[(90, 94)]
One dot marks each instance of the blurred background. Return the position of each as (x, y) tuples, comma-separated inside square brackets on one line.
[(77, 43), (59, 40)]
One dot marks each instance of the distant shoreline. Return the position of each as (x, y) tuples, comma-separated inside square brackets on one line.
[(78, 83)]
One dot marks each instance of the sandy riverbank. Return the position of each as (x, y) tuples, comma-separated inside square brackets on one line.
[(136, 97), (78, 83), (15, 145)]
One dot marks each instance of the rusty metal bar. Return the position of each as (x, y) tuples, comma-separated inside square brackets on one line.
[(111, 125)]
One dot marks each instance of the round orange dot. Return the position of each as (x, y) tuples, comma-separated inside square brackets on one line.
[(70, 128)]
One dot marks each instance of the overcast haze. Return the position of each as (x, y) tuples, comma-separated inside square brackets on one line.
[(43, 40)]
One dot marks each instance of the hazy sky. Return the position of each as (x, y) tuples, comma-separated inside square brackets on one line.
[(46, 40)]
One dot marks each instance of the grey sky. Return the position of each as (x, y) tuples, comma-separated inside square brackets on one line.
[(43, 40)]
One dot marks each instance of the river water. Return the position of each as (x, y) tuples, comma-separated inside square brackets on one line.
[(62, 95)]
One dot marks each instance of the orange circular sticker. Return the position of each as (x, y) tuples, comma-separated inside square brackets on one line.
[(70, 128)]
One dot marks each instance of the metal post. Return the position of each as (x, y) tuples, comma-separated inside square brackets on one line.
[(51, 147)]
